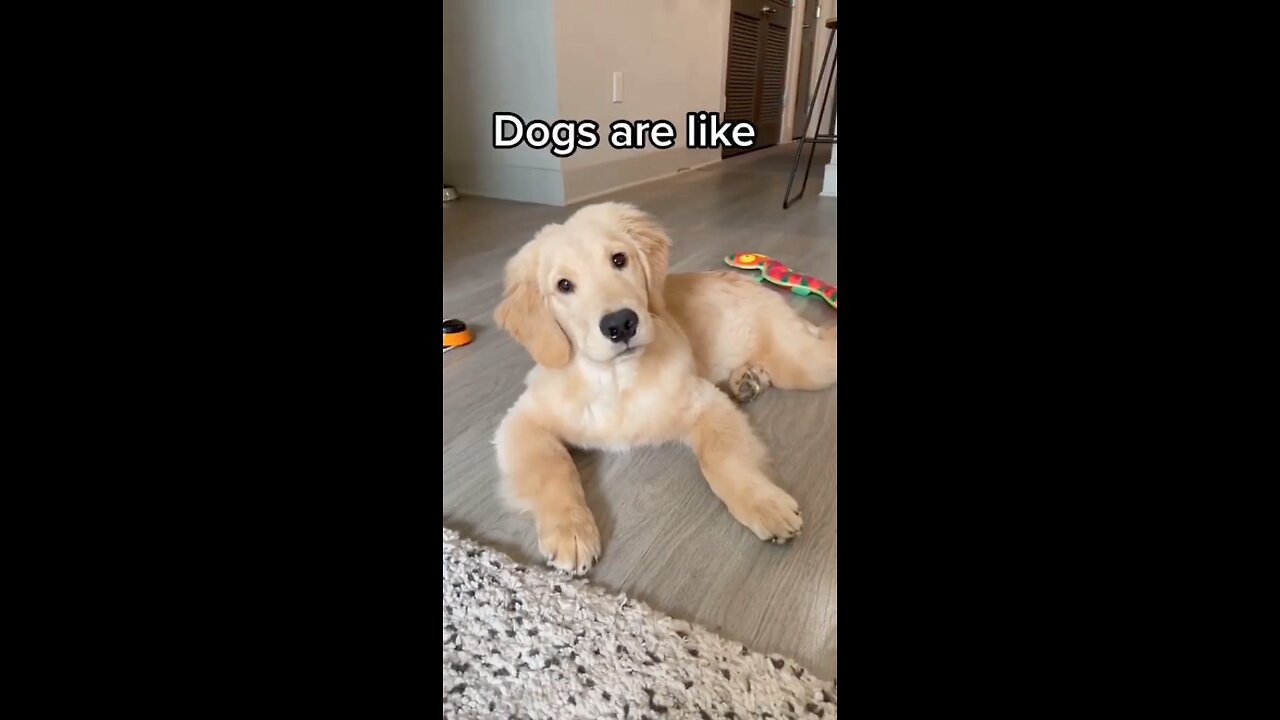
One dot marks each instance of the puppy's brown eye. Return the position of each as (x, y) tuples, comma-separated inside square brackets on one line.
[(619, 260), (565, 286)]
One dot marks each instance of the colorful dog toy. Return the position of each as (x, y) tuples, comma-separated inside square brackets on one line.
[(783, 276)]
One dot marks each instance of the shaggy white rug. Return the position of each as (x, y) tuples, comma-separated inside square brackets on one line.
[(527, 642)]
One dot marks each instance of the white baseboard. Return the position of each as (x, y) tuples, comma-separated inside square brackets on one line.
[(507, 182), (592, 181), (829, 181)]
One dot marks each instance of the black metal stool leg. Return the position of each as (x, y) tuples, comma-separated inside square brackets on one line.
[(818, 137), (831, 54)]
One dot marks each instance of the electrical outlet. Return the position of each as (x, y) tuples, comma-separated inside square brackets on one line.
[(617, 87)]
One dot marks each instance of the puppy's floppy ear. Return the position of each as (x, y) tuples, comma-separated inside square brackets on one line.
[(524, 314), (654, 247)]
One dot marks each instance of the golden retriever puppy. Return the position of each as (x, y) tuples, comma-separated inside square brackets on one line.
[(626, 357)]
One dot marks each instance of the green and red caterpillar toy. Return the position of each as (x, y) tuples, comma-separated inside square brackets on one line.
[(783, 276)]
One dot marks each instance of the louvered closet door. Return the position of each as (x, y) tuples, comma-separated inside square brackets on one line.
[(742, 71), (755, 73)]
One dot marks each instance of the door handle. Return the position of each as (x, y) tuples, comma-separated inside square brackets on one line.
[(804, 26), (768, 9)]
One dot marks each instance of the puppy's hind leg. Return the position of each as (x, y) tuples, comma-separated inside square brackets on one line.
[(747, 382), (538, 475), (799, 355)]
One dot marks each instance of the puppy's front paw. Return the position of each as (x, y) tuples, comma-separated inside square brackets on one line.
[(768, 511), (568, 538)]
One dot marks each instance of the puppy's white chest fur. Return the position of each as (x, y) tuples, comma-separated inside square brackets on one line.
[(621, 405), (610, 390)]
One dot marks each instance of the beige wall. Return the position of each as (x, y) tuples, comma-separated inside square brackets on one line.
[(671, 54), (820, 41), (793, 60), (555, 59), (498, 56), (804, 12)]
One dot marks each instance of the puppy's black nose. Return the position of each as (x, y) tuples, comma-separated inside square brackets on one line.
[(619, 326)]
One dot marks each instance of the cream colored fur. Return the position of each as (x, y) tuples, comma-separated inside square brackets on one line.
[(695, 331)]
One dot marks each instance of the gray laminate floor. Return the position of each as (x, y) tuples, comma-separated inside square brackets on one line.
[(666, 538)]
